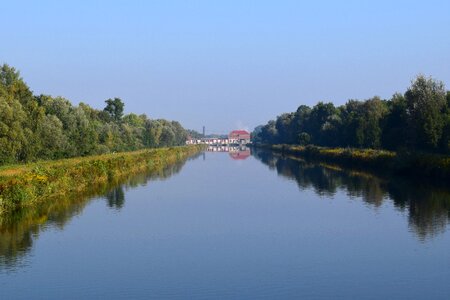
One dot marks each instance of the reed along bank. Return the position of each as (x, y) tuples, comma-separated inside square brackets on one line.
[(435, 167), (30, 184)]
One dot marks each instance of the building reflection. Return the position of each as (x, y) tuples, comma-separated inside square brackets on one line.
[(235, 152), (428, 206)]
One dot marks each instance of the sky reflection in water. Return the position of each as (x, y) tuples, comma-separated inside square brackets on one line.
[(234, 226)]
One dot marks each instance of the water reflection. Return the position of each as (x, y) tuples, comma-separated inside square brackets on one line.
[(235, 152), (428, 206), (116, 198), (18, 230)]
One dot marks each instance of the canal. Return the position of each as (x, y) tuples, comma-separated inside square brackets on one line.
[(235, 226)]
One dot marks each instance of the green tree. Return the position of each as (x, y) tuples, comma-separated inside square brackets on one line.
[(374, 111), (114, 108), (445, 142), (180, 133), (12, 133), (52, 139), (152, 133), (167, 137), (44, 127), (83, 133), (256, 134), (13, 117), (284, 129), (323, 124), (269, 133), (395, 123), (300, 123), (304, 139), (426, 102)]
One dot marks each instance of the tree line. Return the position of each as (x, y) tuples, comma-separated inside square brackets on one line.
[(36, 127), (418, 120)]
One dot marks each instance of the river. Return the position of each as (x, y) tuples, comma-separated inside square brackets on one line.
[(234, 226)]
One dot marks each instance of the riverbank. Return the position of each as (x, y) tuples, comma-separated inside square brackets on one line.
[(432, 166), (27, 185)]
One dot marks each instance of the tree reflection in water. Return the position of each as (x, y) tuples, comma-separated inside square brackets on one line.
[(18, 230), (428, 206), (116, 198)]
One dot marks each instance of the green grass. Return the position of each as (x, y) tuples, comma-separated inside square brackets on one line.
[(433, 166), (29, 184)]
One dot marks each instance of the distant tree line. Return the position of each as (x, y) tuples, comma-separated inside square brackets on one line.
[(44, 127), (197, 135), (193, 134), (418, 120)]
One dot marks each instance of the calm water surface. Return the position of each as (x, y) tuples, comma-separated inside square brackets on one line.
[(235, 227)]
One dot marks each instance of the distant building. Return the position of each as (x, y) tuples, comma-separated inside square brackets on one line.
[(239, 137)]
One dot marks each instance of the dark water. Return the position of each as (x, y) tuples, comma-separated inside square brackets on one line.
[(234, 227)]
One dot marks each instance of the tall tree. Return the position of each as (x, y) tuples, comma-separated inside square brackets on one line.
[(283, 125), (426, 102), (114, 108), (395, 123), (374, 111), (322, 124)]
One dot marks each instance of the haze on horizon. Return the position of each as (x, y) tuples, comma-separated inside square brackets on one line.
[(226, 65)]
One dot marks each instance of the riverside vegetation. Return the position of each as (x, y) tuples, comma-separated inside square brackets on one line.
[(432, 166), (427, 204), (20, 228), (27, 185), (409, 133), (36, 128)]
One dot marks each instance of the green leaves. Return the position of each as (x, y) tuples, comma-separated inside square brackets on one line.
[(426, 102), (45, 127), (419, 120), (114, 108)]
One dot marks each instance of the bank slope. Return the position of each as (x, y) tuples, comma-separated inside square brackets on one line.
[(431, 166), (28, 185)]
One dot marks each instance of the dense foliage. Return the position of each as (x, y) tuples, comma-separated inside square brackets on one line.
[(43, 127), (419, 120)]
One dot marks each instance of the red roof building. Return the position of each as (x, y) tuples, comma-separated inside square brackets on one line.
[(239, 135)]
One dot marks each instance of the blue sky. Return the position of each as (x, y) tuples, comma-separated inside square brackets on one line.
[(224, 64)]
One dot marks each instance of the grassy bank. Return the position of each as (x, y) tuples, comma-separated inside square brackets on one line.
[(27, 185), (432, 166)]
